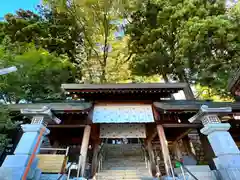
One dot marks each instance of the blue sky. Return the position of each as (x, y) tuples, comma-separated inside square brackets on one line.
[(10, 6)]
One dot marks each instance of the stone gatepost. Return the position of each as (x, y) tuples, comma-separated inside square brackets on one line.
[(227, 154), (23, 164)]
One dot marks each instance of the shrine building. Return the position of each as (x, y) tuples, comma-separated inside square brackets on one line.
[(129, 131)]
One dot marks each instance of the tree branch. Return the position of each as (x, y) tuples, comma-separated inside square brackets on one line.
[(128, 58)]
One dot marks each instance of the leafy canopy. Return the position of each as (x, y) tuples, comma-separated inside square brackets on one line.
[(191, 40), (54, 31), (39, 76)]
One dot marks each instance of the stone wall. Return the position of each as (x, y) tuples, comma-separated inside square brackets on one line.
[(52, 177)]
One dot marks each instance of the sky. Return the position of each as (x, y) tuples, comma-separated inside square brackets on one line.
[(10, 6)]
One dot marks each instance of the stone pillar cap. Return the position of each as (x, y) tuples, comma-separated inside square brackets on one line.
[(206, 110), (45, 111)]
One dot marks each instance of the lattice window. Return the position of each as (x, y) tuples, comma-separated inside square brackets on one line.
[(38, 120), (210, 119)]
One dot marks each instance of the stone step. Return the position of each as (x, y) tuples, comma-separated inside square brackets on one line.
[(123, 171), (121, 174), (53, 177), (123, 154), (119, 178), (124, 168), (124, 158), (124, 161), (123, 145), (138, 163), (127, 178), (111, 160), (126, 148), (132, 157)]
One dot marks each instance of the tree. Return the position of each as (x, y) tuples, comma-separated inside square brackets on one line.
[(192, 41), (50, 29), (6, 125), (100, 21), (206, 93), (39, 76)]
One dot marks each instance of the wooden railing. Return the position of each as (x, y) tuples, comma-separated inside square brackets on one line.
[(53, 163)]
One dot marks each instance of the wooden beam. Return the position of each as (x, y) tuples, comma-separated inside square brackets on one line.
[(84, 150), (164, 146), (66, 125), (155, 114), (56, 107), (182, 135), (101, 87), (177, 151), (153, 135), (181, 125), (151, 132), (95, 132), (187, 147)]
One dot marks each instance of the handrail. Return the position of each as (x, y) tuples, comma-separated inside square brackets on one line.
[(57, 149), (100, 156), (171, 168), (146, 158), (53, 149), (79, 164), (183, 174), (186, 169), (66, 171)]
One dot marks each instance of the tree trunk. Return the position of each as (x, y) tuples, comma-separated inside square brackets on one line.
[(166, 80), (103, 76), (187, 91)]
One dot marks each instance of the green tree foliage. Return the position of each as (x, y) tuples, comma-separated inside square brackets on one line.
[(105, 54), (206, 93), (46, 49), (6, 125), (39, 76), (191, 40), (55, 31)]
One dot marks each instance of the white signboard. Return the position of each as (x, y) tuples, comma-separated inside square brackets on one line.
[(118, 113)]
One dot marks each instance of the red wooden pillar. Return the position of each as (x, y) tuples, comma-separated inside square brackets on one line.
[(84, 149), (165, 150)]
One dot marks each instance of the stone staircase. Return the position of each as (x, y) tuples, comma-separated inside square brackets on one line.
[(123, 161)]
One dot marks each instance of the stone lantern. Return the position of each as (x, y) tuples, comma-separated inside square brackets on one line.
[(23, 164), (227, 154)]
